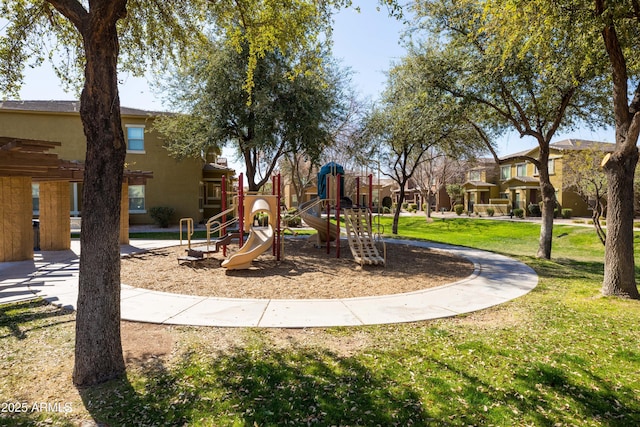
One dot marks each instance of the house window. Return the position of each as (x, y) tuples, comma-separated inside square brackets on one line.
[(136, 199), (35, 197), (505, 172), (135, 139), (521, 169), (213, 193), (474, 175)]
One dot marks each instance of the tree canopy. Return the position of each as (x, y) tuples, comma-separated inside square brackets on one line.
[(604, 34), (285, 112), (412, 124), (502, 86)]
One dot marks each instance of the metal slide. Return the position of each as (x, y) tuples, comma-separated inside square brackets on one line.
[(260, 239)]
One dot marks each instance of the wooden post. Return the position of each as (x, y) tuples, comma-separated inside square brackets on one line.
[(124, 214), (55, 220), (16, 213), (338, 190)]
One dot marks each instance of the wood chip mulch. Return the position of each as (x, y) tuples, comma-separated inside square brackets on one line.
[(304, 272)]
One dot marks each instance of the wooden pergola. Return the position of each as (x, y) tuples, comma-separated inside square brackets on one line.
[(23, 161)]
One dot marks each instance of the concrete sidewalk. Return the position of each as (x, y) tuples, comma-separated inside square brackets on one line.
[(496, 279)]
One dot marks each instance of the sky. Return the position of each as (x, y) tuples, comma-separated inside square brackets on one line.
[(367, 42)]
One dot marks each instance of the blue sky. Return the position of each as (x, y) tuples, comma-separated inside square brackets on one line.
[(367, 42)]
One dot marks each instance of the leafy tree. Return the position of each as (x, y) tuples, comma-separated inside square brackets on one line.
[(411, 120), (98, 37), (285, 112), (581, 172), (534, 92), (605, 36), (456, 194)]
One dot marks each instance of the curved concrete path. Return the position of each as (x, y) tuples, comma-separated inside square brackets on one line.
[(496, 279)]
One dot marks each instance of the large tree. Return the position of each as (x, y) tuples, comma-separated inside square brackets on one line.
[(605, 33), (286, 112), (532, 92), (99, 36), (410, 124)]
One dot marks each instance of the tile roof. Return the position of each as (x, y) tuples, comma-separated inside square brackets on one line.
[(567, 144), (65, 107)]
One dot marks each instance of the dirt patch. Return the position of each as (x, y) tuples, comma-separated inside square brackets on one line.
[(304, 272), (142, 342)]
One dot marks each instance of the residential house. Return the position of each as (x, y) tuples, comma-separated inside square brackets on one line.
[(517, 183), (481, 184), (190, 186)]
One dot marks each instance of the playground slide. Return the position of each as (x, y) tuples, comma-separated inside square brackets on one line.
[(260, 239), (311, 216)]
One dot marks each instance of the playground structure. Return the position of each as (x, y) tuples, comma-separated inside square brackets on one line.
[(246, 211), (358, 219)]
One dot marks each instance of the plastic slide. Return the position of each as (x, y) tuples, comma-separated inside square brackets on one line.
[(260, 239), (310, 214)]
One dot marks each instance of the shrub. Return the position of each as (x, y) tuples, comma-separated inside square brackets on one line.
[(292, 220), (566, 213), (518, 213), (534, 209), (161, 215), (490, 211), (413, 207), (405, 205), (458, 209), (386, 209)]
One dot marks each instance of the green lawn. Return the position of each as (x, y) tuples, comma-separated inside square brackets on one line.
[(561, 355)]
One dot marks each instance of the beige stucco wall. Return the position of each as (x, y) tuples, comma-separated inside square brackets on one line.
[(174, 183)]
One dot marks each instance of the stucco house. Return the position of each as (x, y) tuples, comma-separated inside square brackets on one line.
[(514, 183), (190, 186)]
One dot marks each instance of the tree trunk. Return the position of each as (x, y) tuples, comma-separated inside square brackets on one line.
[(396, 214), (548, 207), (619, 265), (98, 352)]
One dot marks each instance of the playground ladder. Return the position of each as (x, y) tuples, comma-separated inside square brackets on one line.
[(361, 240)]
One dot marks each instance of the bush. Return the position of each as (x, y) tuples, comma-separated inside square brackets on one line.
[(413, 207), (490, 211), (518, 213), (162, 215), (566, 213), (458, 209), (405, 205), (534, 209), (292, 220), (386, 209)]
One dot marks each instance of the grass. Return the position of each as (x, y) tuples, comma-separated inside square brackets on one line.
[(561, 355)]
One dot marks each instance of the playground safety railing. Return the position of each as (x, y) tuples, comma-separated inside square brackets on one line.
[(189, 224)]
